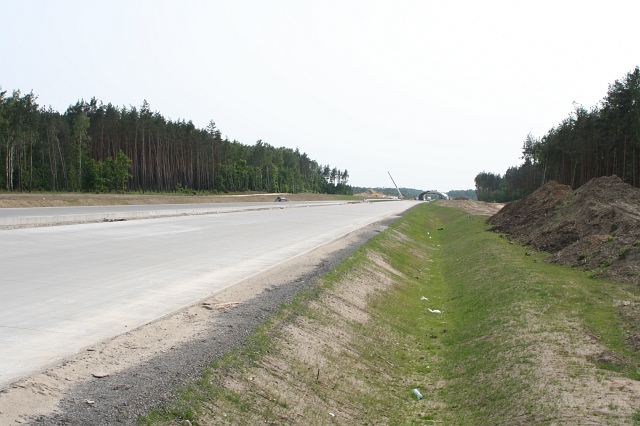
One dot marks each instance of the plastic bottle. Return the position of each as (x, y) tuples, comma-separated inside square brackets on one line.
[(417, 393)]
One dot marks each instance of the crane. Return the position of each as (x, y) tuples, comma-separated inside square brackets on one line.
[(394, 182)]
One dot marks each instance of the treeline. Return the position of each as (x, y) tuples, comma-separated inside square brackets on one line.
[(601, 141), (96, 147)]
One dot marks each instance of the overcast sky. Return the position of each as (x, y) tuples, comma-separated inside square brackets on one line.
[(433, 92)]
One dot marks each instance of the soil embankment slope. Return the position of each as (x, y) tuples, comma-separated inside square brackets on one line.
[(596, 227)]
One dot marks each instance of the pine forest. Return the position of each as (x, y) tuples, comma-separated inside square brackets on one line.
[(93, 147), (601, 141)]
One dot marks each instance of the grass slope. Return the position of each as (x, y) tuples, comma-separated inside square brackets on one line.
[(518, 341)]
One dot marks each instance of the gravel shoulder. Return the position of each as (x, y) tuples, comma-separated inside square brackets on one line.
[(114, 381)]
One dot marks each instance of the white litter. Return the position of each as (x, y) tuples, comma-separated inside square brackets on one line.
[(423, 298), (435, 311)]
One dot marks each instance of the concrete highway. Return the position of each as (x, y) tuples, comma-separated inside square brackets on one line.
[(61, 215), (66, 287)]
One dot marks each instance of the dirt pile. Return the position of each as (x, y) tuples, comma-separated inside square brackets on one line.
[(479, 208), (369, 193), (596, 227)]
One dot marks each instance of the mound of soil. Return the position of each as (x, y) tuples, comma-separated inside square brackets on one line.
[(372, 193), (479, 208), (596, 227)]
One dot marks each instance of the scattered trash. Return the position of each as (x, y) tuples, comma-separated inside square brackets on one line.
[(331, 414), (90, 402), (100, 375), (440, 229), (417, 393), (434, 311), (423, 298)]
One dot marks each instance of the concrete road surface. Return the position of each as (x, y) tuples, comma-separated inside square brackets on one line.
[(62, 215), (67, 287)]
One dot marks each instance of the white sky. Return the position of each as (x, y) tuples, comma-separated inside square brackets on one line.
[(432, 91)]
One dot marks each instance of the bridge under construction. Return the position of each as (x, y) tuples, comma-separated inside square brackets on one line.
[(433, 194)]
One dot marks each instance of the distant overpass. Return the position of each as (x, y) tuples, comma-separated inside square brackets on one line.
[(435, 195)]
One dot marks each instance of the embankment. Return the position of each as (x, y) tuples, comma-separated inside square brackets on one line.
[(485, 330)]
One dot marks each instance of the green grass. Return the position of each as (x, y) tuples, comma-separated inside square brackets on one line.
[(504, 306), (480, 361)]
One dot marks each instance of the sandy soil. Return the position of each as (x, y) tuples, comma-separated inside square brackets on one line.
[(115, 380), (479, 208), (371, 193), (309, 348)]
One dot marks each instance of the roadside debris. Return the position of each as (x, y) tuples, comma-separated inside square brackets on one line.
[(211, 306), (417, 393)]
